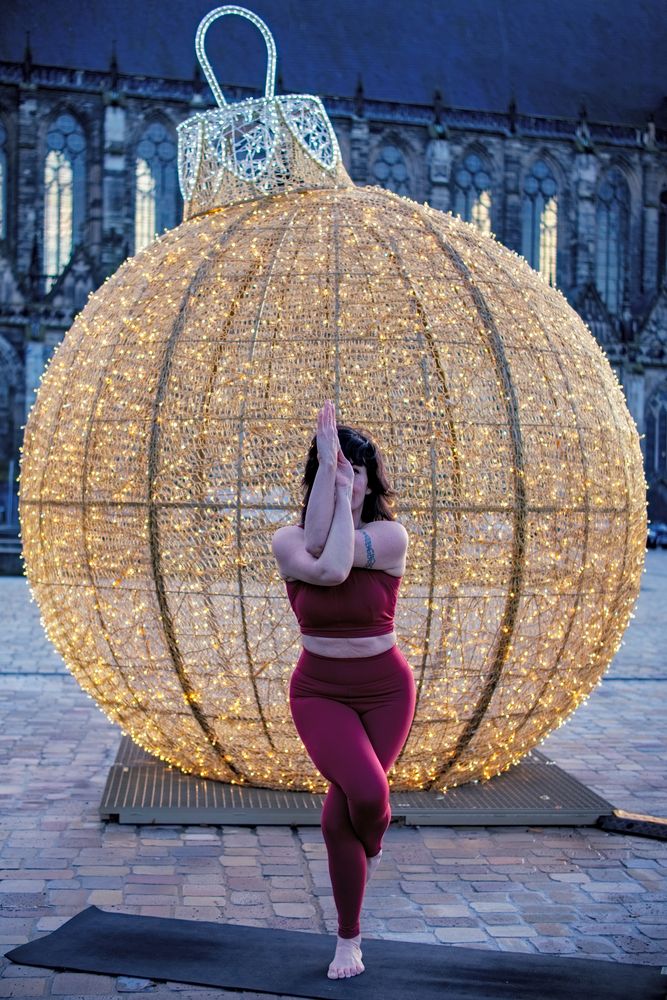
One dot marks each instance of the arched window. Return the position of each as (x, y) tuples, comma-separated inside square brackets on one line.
[(3, 182), (58, 191), (662, 236), (472, 192), (611, 234), (539, 217), (656, 433), (156, 197), (64, 193), (391, 171)]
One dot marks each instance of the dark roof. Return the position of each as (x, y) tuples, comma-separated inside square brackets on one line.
[(550, 54)]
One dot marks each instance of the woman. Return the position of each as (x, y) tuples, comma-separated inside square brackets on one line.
[(352, 694)]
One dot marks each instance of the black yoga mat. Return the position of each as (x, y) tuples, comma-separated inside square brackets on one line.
[(296, 962)]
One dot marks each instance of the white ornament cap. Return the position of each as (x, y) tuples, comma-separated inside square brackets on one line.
[(255, 148)]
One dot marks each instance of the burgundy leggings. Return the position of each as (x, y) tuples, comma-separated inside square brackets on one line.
[(353, 716)]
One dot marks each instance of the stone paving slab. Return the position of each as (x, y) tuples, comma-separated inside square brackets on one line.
[(575, 891)]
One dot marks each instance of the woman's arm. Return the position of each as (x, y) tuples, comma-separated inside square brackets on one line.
[(320, 509), (338, 552)]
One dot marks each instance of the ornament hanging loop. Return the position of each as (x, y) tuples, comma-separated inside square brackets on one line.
[(204, 25), (260, 146)]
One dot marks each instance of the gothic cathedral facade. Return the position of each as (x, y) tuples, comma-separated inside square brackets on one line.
[(88, 176)]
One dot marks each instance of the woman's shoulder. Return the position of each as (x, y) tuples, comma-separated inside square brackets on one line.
[(386, 524), (281, 540), (287, 536)]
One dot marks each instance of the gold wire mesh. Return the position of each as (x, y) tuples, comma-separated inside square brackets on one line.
[(167, 442)]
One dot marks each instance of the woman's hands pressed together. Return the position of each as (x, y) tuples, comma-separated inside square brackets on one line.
[(329, 450), (327, 435)]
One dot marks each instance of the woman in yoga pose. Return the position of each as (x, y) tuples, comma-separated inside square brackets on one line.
[(352, 693)]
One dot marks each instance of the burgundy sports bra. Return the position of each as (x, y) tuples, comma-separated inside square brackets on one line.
[(363, 604)]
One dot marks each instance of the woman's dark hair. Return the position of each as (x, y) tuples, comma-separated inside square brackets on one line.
[(359, 449)]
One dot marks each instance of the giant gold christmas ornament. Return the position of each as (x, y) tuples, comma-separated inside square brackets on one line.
[(170, 431)]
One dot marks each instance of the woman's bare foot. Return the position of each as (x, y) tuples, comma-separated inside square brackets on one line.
[(347, 960), (372, 864)]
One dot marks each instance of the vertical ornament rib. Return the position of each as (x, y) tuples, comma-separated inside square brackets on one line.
[(207, 394), (85, 520), (352, 229), (424, 334), (626, 535), (155, 549), (457, 473), (239, 485), (274, 338), (509, 616), (86, 562), (586, 509), (274, 352)]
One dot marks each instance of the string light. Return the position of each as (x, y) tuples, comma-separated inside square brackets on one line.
[(169, 434)]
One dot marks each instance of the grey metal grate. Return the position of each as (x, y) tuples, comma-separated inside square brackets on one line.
[(143, 789)]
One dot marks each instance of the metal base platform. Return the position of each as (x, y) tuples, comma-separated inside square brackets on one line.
[(143, 789)]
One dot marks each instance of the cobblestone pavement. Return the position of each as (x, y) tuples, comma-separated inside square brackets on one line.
[(575, 891)]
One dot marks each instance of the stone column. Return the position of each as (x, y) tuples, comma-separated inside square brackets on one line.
[(114, 211), (29, 184), (633, 380), (439, 161), (34, 366), (510, 233), (650, 212), (584, 177), (359, 142)]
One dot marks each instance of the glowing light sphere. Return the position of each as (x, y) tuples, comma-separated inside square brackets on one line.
[(168, 438)]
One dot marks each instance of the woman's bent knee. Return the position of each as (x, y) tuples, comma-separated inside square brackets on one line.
[(370, 801)]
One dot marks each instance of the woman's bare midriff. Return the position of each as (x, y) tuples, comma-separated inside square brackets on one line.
[(367, 645)]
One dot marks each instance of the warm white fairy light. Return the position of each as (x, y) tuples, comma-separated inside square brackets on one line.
[(168, 438)]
